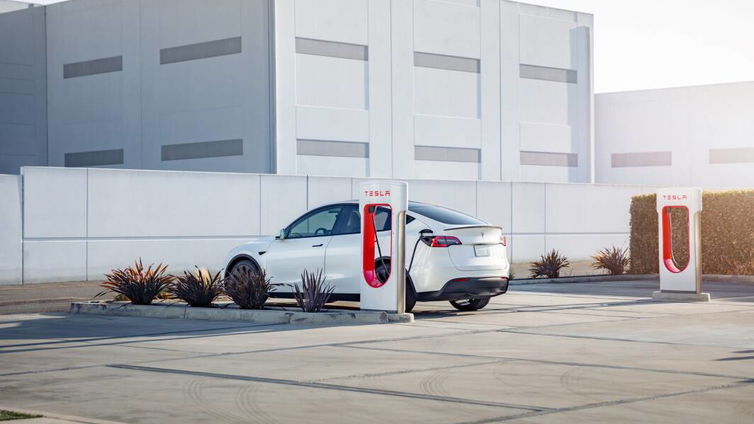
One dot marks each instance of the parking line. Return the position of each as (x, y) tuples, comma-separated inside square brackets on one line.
[(327, 386)]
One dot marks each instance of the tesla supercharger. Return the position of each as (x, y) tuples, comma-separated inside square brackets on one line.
[(374, 198), (680, 282)]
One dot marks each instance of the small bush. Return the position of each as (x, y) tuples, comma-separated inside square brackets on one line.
[(314, 293), (549, 265), (614, 260), (198, 289), (248, 288), (137, 284)]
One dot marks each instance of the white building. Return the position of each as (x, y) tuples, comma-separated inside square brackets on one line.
[(452, 89), (689, 136)]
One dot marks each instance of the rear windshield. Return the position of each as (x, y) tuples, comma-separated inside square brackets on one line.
[(446, 216)]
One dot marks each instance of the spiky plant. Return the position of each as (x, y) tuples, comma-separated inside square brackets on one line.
[(198, 288), (138, 284), (613, 259), (549, 265), (248, 288), (314, 293)]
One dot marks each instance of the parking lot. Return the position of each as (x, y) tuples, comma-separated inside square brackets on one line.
[(576, 352)]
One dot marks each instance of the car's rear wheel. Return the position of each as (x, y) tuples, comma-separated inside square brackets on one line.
[(383, 272), (471, 304)]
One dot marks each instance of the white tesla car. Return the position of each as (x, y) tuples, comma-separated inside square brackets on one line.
[(449, 255)]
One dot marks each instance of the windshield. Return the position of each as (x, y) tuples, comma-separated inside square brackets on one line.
[(444, 215)]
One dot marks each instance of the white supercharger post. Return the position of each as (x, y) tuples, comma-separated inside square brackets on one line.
[(389, 295), (680, 283)]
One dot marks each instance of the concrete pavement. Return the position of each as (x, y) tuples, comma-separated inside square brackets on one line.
[(599, 352)]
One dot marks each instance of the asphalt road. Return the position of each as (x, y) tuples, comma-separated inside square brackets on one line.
[(599, 352)]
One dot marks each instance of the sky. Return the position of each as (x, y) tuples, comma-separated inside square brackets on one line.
[(645, 44)]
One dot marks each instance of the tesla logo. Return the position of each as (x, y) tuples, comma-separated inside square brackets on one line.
[(674, 197), (377, 193)]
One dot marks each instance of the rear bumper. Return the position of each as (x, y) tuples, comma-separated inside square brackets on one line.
[(464, 288)]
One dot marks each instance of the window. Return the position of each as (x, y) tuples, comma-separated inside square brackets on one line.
[(446, 216), (349, 220), (316, 223)]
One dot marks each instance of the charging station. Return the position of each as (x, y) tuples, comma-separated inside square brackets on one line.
[(377, 247), (677, 282)]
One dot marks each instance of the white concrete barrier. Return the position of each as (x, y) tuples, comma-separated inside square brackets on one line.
[(80, 223)]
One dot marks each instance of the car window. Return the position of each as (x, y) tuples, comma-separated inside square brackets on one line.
[(349, 221), (444, 215), (315, 224)]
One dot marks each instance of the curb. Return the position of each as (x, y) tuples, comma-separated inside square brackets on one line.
[(256, 316), (586, 279)]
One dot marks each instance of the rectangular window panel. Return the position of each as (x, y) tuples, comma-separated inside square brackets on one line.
[(447, 154), (200, 50), (93, 67), (346, 149), (202, 149), (450, 63), (734, 155), (332, 49), (550, 159), (639, 159), (548, 74), (94, 158)]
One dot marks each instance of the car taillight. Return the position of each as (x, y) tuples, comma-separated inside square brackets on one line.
[(443, 241), (503, 240)]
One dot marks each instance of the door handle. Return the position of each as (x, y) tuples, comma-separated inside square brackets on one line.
[(317, 245)]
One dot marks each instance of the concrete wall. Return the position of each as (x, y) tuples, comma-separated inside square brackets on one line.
[(11, 261), (164, 84), (691, 136), (80, 223), (23, 107), (457, 89)]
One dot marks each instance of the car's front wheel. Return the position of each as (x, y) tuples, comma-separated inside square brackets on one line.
[(471, 304)]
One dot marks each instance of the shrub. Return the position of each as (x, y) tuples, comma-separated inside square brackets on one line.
[(727, 233), (549, 265), (314, 293), (248, 288), (614, 260), (198, 289), (137, 284)]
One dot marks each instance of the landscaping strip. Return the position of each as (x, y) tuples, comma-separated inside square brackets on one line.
[(256, 316)]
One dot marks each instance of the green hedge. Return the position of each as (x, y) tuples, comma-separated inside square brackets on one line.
[(727, 233)]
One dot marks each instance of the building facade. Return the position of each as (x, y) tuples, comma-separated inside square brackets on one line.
[(452, 89), (687, 136)]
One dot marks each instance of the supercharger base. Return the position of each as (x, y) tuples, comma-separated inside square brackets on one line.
[(678, 282), (669, 296), (384, 248)]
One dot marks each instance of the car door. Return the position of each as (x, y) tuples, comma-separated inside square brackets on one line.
[(343, 254), (302, 248)]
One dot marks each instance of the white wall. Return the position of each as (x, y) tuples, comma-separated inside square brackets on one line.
[(473, 97), (23, 106), (148, 104), (80, 223), (693, 136), (11, 261)]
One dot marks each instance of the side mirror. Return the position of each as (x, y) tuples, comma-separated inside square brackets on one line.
[(281, 235)]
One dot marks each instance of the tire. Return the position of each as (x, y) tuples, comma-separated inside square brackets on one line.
[(383, 272), (243, 263), (471, 304)]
